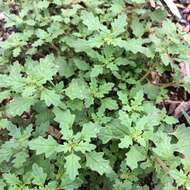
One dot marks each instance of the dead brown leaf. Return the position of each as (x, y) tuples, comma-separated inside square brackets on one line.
[(183, 106), (54, 132), (152, 3)]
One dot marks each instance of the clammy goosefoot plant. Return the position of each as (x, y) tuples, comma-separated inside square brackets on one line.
[(77, 108)]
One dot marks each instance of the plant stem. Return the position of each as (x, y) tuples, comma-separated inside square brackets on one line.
[(162, 164)]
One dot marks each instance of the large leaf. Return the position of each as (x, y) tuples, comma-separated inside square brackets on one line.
[(89, 130), (44, 146), (42, 71), (19, 105), (65, 118), (113, 130), (39, 177), (137, 27), (50, 97), (72, 165), (135, 154), (90, 21), (68, 184), (96, 162), (77, 89), (119, 24)]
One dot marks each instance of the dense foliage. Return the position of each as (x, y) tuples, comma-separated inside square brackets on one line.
[(78, 110)]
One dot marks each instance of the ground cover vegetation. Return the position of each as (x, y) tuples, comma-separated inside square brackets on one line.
[(79, 109)]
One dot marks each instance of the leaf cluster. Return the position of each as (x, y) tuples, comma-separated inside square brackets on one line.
[(76, 110)]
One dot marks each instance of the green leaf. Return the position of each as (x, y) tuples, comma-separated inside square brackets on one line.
[(44, 146), (135, 154), (138, 1), (179, 177), (119, 25), (85, 147), (113, 130), (152, 91), (170, 120), (20, 159), (2, 184), (82, 65), (65, 118), (109, 103), (77, 89), (68, 184), (135, 45), (79, 45), (90, 21), (72, 165), (14, 80), (19, 105), (50, 97), (89, 130), (123, 97), (96, 71), (39, 177), (96, 162), (44, 4), (105, 88), (164, 147), (4, 123), (166, 59), (42, 71), (16, 52), (117, 6), (66, 69), (182, 134), (124, 118), (137, 27), (125, 142), (6, 151), (11, 179)]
